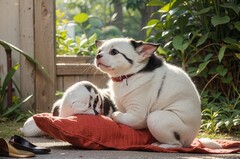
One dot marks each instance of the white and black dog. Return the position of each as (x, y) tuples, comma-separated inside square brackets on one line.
[(85, 98), (149, 92), (80, 98)]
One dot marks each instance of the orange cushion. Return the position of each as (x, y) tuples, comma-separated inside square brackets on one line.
[(92, 132), (100, 132)]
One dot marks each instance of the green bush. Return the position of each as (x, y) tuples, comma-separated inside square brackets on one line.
[(88, 29), (80, 45), (203, 37)]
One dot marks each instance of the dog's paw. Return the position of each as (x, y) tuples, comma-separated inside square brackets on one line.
[(116, 115)]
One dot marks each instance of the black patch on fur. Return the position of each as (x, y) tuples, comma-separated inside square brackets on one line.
[(136, 44), (163, 79), (153, 63), (128, 59), (107, 103), (95, 105), (55, 111), (89, 87), (89, 104), (105, 99), (176, 135)]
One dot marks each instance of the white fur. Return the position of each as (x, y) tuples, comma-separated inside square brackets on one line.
[(206, 142), (30, 128), (76, 100), (177, 109)]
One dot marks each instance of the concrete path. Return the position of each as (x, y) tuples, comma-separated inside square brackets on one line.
[(63, 150)]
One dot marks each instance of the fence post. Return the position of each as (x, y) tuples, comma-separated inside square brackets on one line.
[(45, 53), (26, 35)]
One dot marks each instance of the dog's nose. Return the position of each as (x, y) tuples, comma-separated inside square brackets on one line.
[(98, 56)]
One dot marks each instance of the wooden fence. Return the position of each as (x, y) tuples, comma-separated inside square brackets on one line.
[(71, 69), (30, 25)]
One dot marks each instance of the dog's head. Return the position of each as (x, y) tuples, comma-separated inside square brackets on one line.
[(80, 98), (122, 56)]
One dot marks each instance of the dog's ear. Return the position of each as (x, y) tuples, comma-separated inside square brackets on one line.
[(143, 48), (99, 43)]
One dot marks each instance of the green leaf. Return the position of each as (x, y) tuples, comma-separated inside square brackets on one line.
[(221, 53), (204, 10), (228, 123), (221, 70), (80, 18), (93, 38), (218, 20), (88, 27), (178, 42), (9, 77), (237, 55), (232, 6), (236, 122), (237, 25), (208, 57), (185, 45), (155, 3), (12, 108), (167, 7), (226, 79), (219, 124), (7, 46), (150, 25), (202, 39), (229, 40), (192, 71), (202, 66)]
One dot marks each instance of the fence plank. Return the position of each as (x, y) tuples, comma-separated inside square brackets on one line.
[(73, 59), (60, 83), (45, 53), (83, 69), (68, 81), (26, 33)]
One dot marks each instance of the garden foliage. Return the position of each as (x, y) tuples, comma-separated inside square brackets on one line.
[(14, 111)]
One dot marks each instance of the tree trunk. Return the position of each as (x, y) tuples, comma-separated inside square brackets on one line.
[(119, 18), (145, 16)]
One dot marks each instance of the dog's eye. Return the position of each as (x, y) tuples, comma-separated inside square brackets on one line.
[(113, 52), (99, 51)]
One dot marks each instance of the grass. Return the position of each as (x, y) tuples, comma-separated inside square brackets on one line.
[(10, 128), (219, 136)]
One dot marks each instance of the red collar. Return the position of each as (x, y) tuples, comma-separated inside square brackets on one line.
[(121, 78)]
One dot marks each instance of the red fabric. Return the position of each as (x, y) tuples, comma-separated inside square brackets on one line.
[(100, 132)]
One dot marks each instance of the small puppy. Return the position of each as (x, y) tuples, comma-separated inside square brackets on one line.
[(80, 98), (85, 98), (149, 92)]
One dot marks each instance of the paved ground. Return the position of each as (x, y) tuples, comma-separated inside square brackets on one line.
[(63, 150)]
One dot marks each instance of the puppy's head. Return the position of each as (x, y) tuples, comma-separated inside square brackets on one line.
[(80, 98), (122, 56)]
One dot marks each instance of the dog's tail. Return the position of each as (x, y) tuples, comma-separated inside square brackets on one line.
[(208, 143)]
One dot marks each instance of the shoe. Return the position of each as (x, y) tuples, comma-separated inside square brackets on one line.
[(8, 150), (22, 144)]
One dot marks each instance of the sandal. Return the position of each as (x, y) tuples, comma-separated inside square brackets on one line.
[(23, 144), (8, 150)]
